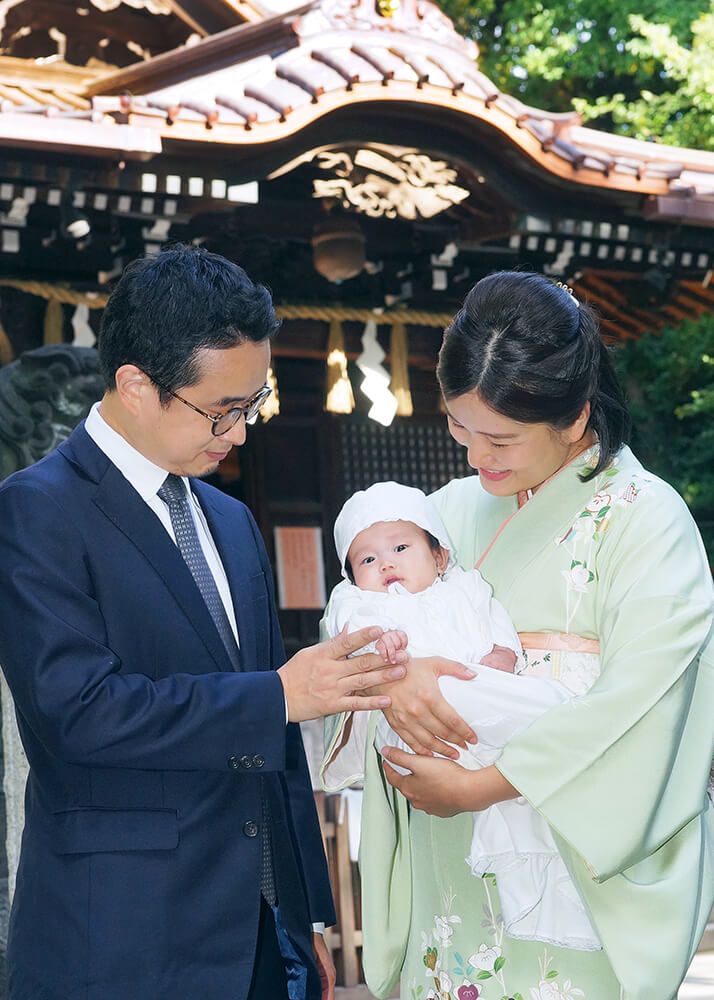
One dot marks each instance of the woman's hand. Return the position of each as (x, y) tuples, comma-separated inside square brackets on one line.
[(442, 788), (420, 714)]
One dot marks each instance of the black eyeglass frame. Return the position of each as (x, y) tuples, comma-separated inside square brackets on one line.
[(249, 410)]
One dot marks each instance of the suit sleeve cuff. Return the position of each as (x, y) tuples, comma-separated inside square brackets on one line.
[(318, 928)]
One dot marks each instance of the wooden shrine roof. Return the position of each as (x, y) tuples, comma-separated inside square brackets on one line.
[(258, 84), (46, 107), (624, 311)]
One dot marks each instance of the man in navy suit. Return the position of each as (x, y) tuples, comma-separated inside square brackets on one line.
[(171, 848)]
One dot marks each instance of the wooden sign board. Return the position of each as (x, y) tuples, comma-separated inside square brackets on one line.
[(300, 568)]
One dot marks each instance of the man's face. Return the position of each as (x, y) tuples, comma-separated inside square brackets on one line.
[(179, 439)]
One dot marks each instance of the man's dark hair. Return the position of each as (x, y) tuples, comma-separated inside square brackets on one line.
[(169, 306)]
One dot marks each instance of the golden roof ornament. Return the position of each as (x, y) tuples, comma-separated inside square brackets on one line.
[(388, 8), (411, 18)]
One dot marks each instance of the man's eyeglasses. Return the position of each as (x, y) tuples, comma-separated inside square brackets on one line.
[(224, 422)]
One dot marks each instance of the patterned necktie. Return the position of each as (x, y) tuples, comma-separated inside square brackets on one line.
[(173, 493)]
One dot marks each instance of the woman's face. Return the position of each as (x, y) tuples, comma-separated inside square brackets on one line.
[(510, 456)]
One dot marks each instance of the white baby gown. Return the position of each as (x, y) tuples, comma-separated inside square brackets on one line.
[(457, 617)]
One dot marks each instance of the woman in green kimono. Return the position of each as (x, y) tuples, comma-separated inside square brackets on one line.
[(602, 569)]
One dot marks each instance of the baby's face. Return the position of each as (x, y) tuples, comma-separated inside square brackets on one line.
[(394, 552)]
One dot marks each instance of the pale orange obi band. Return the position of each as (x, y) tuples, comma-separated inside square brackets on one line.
[(559, 640)]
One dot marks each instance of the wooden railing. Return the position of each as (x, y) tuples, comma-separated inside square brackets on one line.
[(345, 939)]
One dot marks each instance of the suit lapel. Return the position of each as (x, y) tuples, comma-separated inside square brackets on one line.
[(120, 502), (233, 539), (126, 509)]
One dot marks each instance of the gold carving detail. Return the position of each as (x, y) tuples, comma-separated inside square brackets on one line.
[(407, 185)]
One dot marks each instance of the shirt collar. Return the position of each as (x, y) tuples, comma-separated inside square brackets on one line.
[(146, 477)]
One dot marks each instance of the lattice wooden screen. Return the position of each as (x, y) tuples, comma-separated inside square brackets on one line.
[(411, 452)]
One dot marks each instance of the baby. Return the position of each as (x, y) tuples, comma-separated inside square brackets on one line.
[(396, 554)]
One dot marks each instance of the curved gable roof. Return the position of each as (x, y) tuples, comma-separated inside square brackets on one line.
[(286, 80)]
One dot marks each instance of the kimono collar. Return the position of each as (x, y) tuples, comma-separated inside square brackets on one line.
[(538, 523), (584, 460)]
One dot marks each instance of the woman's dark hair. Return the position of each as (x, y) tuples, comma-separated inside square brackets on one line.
[(167, 307), (434, 545), (534, 354)]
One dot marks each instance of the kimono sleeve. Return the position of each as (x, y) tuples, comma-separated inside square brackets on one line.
[(618, 772)]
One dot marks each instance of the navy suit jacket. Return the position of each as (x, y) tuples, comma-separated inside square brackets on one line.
[(140, 865)]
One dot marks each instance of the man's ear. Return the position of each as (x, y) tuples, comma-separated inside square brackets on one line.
[(132, 387)]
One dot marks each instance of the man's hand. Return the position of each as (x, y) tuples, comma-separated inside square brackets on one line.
[(421, 715), (325, 966), (324, 679), (442, 788), (390, 643)]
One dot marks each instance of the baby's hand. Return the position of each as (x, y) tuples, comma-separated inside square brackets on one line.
[(390, 643), (500, 658)]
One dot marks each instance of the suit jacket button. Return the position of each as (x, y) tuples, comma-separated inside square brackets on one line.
[(259, 760), (233, 762), (246, 761), (250, 829)]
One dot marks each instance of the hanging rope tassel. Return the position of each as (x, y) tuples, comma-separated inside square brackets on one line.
[(53, 322), (271, 407), (339, 398), (400, 371)]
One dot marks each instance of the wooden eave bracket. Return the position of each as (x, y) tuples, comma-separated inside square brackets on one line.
[(208, 17), (230, 47), (58, 74), (680, 207)]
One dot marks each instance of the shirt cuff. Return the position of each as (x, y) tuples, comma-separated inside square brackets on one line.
[(318, 928)]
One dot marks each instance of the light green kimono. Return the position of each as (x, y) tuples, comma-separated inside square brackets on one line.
[(620, 774)]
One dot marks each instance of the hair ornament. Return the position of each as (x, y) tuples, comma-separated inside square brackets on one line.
[(569, 290)]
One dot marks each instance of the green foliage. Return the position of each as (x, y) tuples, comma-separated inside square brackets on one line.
[(670, 384), (643, 68)]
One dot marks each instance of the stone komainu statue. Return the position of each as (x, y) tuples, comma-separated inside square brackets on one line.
[(43, 396)]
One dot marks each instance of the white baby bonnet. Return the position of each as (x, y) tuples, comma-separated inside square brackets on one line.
[(387, 502)]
